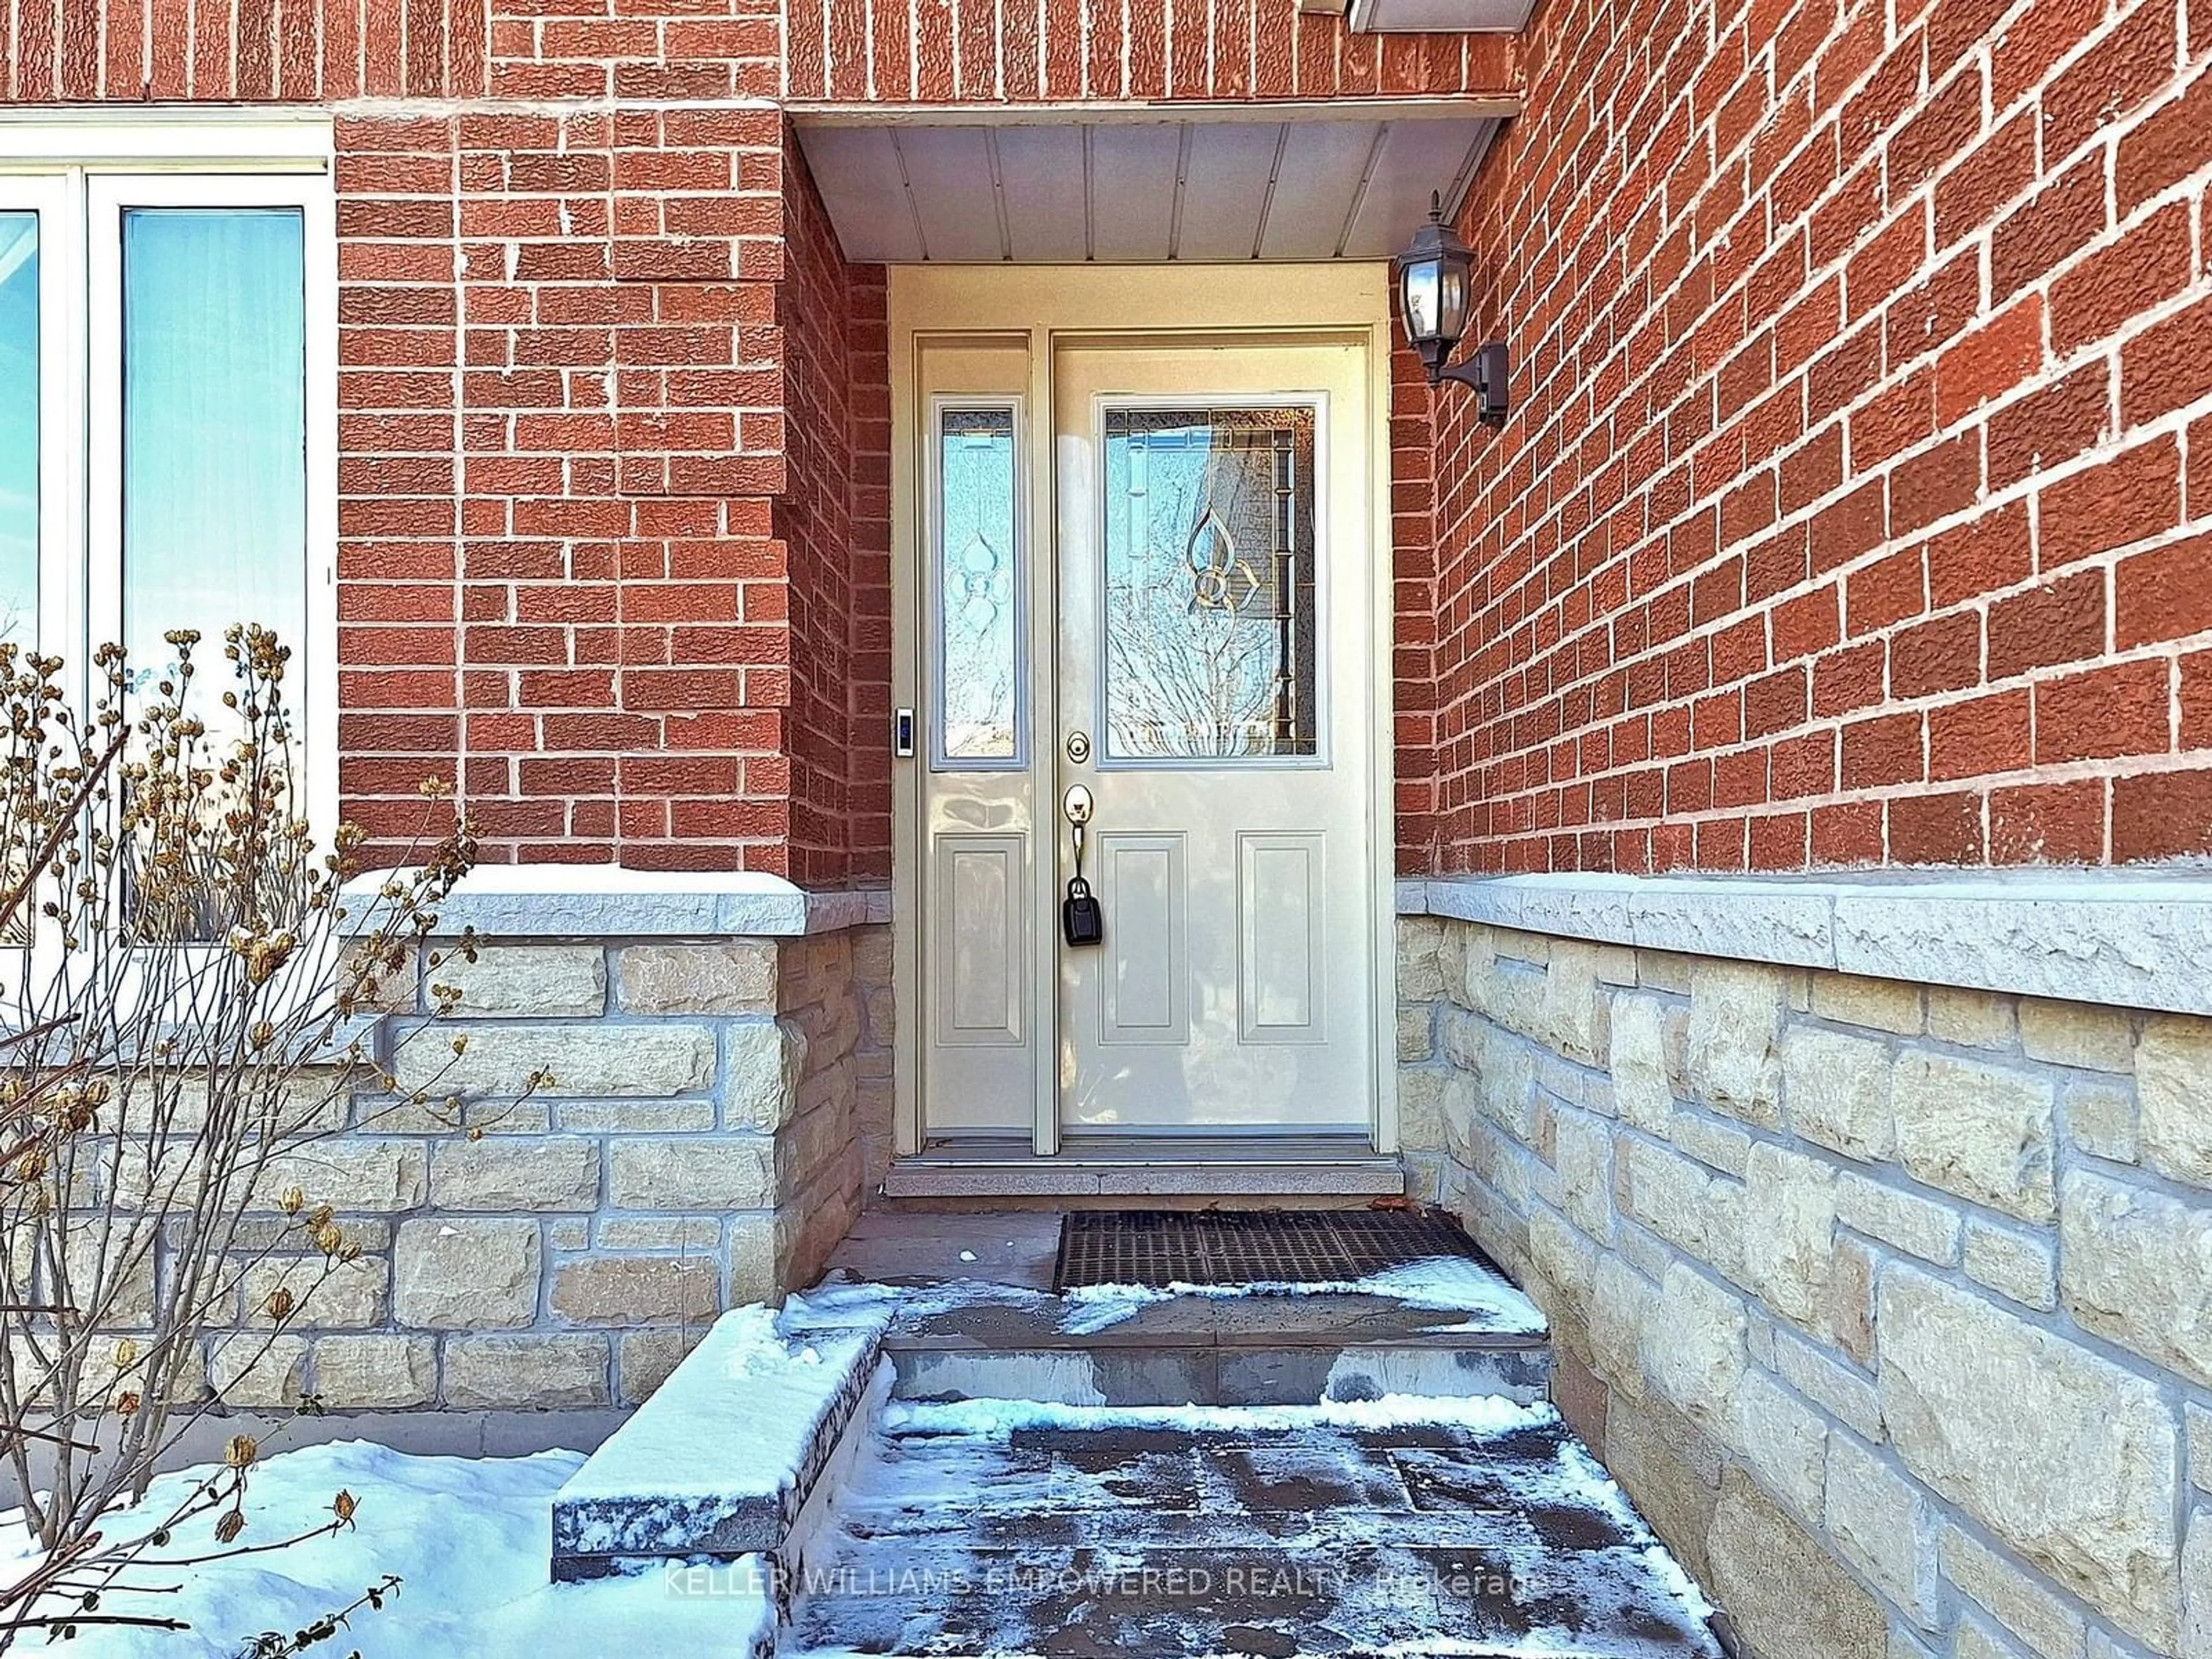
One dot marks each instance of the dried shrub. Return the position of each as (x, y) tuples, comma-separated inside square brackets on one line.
[(188, 986)]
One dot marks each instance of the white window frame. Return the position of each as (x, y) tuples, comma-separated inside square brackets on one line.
[(80, 173)]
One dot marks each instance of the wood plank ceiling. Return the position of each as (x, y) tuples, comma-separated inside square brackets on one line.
[(1319, 186)]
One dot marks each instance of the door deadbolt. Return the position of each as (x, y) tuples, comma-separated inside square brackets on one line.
[(1078, 747)]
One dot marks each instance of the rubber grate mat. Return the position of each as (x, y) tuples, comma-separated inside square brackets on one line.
[(1160, 1248)]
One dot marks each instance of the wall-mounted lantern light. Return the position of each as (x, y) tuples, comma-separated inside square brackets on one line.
[(1433, 294)]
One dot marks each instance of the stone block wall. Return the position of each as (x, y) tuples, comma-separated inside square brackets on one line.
[(1890, 1303), (698, 1143)]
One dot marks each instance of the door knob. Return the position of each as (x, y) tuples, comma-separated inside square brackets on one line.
[(1076, 805)]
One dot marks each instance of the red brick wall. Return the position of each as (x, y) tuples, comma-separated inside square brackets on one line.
[(1855, 508), (1413, 568), (868, 688), (595, 593), (881, 51), (254, 51), (838, 555), (614, 417), (323, 50), (1235, 50), (563, 384)]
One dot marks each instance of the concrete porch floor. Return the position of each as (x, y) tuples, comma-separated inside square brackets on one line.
[(1126, 1521), (995, 1247)]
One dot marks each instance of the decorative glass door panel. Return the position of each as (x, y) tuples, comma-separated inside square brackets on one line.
[(978, 1003), (981, 698), (1208, 588)]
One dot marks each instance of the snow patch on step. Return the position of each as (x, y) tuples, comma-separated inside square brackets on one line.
[(1442, 1284), (997, 1418)]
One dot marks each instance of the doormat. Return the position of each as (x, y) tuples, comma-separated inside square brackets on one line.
[(1161, 1247)]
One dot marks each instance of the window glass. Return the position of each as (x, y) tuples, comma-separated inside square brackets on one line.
[(1210, 625), (978, 589), (215, 479), (19, 425)]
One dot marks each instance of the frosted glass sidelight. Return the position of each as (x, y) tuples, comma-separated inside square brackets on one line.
[(981, 701)]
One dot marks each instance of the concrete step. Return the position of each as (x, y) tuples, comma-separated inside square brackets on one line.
[(970, 1341), (1211, 1351), (1097, 1534)]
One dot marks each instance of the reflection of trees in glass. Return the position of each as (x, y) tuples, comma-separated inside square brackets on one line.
[(214, 471), (19, 424), (977, 595), (1209, 583)]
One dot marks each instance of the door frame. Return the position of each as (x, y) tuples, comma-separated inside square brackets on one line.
[(1052, 305)]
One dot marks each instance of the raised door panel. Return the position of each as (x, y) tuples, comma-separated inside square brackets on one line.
[(1144, 981), (1282, 958), (981, 971)]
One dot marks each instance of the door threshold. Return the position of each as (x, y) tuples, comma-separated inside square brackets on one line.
[(1305, 1166)]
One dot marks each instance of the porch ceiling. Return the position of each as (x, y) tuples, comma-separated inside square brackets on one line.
[(1037, 189)]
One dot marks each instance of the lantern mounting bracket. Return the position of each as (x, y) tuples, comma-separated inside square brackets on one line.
[(1486, 371)]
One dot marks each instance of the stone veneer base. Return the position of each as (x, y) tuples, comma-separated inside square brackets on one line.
[(1885, 1298), (715, 1104)]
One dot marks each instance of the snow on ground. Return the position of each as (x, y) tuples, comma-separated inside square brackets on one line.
[(467, 1537)]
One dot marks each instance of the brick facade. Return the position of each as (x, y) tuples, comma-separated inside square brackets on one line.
[(1107, 50), (1856, 507), (615, 419), (1854, 510), (600, 602)]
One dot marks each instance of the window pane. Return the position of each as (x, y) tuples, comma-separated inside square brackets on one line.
[(215, 475), (19, 425), (979, 588), (1210, 625)]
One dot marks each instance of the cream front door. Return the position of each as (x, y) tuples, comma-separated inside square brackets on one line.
[(1213, 544), (1143, 565)]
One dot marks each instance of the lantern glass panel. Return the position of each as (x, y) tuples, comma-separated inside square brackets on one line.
[(1417, 288), (1451, 297)]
